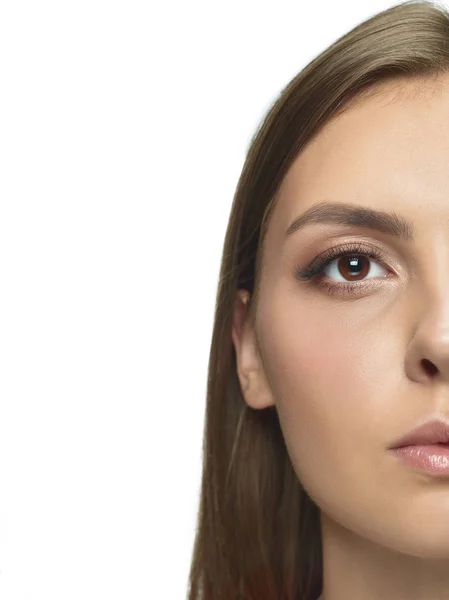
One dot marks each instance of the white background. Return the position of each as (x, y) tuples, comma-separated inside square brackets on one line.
[(123, 131)]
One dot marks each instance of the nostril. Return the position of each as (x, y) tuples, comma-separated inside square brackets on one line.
[(429, 366)]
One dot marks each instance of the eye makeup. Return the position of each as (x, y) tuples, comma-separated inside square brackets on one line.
[(353, 252)]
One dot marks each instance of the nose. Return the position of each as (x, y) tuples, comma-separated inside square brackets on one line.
[(428, 352)]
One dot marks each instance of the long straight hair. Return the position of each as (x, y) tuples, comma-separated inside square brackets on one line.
[(258, 533)]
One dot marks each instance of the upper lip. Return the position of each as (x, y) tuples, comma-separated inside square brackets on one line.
[(433, 432)]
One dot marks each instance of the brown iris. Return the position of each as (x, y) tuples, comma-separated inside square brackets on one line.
[(353, 267)]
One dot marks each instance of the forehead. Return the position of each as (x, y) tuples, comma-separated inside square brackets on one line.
[(389, 149)]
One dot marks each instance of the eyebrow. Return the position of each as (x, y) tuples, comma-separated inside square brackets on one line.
[(355, 216)]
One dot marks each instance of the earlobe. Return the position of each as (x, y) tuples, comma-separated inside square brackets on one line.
[(257, 392), (255, 388)]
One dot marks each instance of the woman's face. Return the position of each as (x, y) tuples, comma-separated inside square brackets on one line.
[(344, 368)]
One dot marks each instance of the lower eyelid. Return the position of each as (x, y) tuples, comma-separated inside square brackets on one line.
[(350, 289)]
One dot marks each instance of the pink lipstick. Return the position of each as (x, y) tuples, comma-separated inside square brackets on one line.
[(426, 448)]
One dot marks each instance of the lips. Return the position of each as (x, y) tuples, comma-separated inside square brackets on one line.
[(435, 431)]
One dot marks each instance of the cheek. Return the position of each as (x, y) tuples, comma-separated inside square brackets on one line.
[(332, 381), (336, 372), (311, 367)]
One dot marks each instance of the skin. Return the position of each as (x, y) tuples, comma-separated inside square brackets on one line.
[(345, 373)]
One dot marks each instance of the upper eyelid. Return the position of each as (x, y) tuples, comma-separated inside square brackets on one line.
[(390, 256), (361, 248)]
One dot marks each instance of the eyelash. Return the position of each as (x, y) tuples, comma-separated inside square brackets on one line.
[(319, 263)]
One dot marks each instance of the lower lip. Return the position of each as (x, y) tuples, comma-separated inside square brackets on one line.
[(432, 459)]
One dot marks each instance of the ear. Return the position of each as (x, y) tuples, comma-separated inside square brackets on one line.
[(253, 381)]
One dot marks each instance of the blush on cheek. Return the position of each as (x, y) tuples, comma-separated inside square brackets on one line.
[(316, 378), (334, 358), (315, 361), (315, 357)]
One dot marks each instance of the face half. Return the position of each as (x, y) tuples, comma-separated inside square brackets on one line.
[(340, 352)]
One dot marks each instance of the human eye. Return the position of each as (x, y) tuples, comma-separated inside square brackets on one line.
[(354, 267)]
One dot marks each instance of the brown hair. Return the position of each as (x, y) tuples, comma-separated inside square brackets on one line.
[(259, 534)]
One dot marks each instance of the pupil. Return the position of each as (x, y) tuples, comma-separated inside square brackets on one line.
[(353, 262)]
